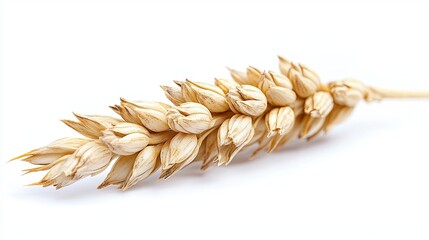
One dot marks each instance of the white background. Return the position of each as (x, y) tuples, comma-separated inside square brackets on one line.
[(367, 179)]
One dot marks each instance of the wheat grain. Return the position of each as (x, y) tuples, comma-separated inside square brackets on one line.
[(208, 123)]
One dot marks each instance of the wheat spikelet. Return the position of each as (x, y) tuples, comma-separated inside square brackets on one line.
[(207, 123)]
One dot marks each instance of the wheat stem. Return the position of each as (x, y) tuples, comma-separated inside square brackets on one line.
[(389, 93)]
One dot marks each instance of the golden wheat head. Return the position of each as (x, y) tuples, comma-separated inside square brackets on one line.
[(206, 123)]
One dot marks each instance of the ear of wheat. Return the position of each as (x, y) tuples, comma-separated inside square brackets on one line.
[(207, 123)]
